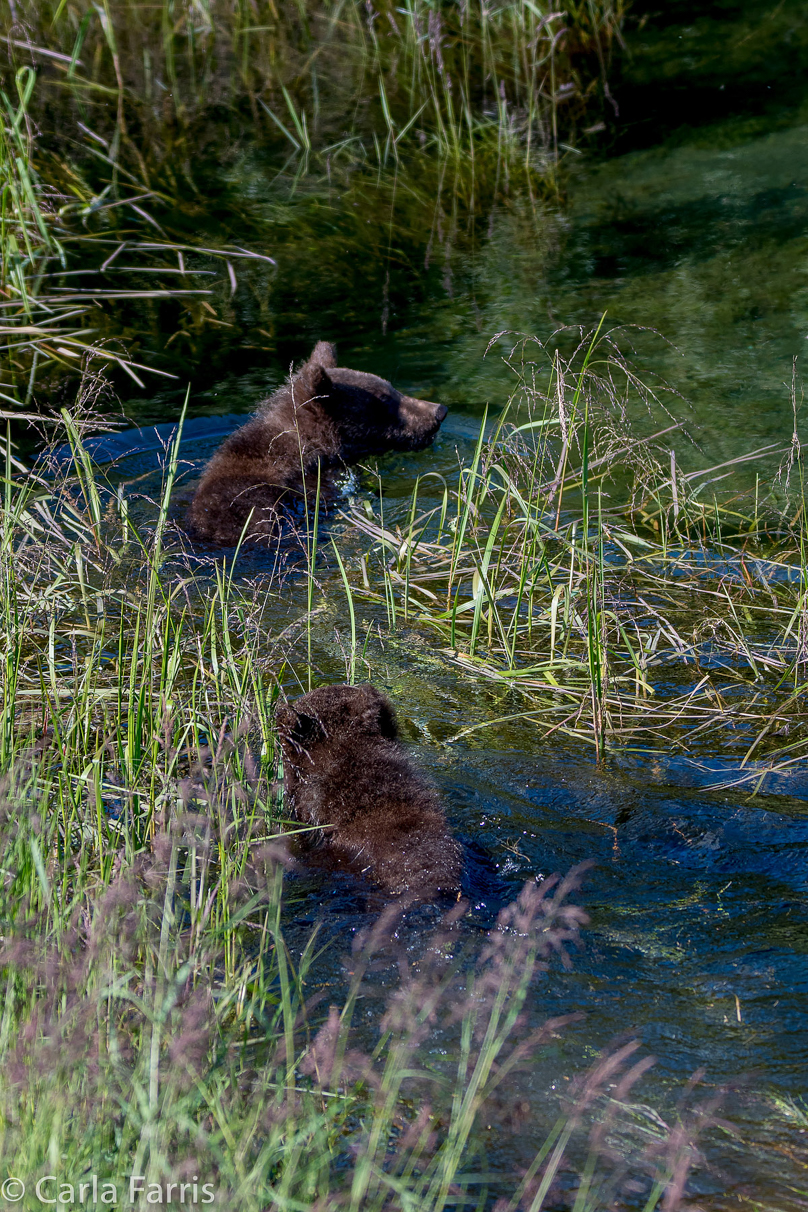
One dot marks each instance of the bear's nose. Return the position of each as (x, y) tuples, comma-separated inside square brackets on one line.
[(441, 412)]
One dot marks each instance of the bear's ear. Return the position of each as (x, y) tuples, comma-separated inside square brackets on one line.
[(318, 381), (324, 354), (378, 715), (297, 728), (315, 383)]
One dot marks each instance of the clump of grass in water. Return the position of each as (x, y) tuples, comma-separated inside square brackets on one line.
[(326, 76), (578, 565), (42, 331), (50, 323)]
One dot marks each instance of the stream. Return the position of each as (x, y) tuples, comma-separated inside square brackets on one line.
[(691, 223)]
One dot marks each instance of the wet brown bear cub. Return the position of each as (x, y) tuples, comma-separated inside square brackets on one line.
[(327, 416), (345, 770)]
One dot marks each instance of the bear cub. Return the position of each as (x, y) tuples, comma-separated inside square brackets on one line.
[(327, 416), (344, 769)]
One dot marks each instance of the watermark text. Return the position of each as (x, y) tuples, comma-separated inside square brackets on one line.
[(55, 1190)]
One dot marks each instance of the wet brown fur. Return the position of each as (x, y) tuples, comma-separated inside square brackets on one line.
[(327, 416), (346, 771)]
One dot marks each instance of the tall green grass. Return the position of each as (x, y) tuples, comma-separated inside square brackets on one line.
[(53, 321), (155, 1022), (324, 76), (619, 599)]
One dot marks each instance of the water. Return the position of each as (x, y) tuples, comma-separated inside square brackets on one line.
[(699, 235), (695, 225)]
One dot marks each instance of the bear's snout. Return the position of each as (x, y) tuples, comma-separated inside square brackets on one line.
[(428, 410), (421, 418)]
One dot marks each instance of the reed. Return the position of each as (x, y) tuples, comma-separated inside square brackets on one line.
[(617, 597), (54, 320), (325, 76)]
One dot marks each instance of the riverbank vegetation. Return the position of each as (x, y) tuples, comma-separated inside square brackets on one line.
[(149, 986), (117, 161), (164, 1014), (617, 598)]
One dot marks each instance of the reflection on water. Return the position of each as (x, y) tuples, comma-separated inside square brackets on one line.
[(709, 247)]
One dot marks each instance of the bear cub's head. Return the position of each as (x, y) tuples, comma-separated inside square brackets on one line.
[(328, 721), (370, 414), (345, 772)]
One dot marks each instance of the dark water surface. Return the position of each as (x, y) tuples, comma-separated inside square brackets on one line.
[(696, 225)]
